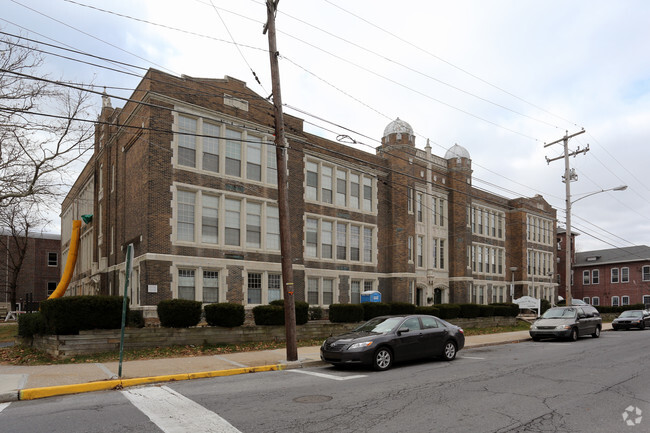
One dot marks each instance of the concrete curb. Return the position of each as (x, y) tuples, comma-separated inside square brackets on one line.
[(105, 385)]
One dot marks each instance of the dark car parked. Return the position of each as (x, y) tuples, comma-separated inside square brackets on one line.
[(567, 322), (631, 319), (387, 339)]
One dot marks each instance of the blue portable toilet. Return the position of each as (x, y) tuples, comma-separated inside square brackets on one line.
[(370, 296)]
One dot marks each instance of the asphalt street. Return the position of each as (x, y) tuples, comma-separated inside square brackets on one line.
[(594, 385)]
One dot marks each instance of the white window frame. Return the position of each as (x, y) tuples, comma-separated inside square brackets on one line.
[(264, 289), (320, 283), (615, 301), (615, 277), (625, 275), (595, 300)]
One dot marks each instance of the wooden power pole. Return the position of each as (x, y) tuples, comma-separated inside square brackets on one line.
[(283, 188)]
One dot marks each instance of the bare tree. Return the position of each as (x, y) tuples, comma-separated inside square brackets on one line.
[(19, 220), (42, 127)]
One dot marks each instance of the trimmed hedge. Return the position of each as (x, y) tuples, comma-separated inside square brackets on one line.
[(401, 308), (179, 313), (225, 314), (432, 311), (605, 309), (469, 311), (70, 314), (513, 309), (31, 324), (486, 310), (135, 319), (268, 315), (449, 311), (374, 309), (301, 308), (346, 313), (315, 313)]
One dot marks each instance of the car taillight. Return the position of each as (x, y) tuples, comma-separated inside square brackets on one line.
[(461, 331)]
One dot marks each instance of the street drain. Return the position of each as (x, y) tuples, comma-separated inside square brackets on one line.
[(313, 399)]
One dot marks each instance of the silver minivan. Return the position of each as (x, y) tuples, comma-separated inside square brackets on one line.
[(567, 322)]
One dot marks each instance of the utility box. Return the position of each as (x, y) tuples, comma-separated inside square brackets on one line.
[(370, 296)]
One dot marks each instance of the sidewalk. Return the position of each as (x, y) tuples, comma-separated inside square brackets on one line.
[(31, 382)]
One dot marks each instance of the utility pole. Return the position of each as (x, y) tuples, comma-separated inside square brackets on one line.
[(569, 175), (283, 187)]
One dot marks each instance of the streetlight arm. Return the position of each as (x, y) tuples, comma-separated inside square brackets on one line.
[(618, 188)]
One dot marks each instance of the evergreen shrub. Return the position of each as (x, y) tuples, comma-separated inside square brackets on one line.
[(469, 311), (401, 308), (31, 324), (449, 311), (431, 311), (225, 314), (70, 314), (268, 315), (179, 313), (346, 313), (374, 309)]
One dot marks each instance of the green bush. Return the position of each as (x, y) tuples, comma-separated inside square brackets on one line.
[(374, 309), (544, 305), (179, 313), (31, 324), (501, 310), (449, 311), (225, 314), (486, 310), (401, 308), (431, 311), (469, 311), (513, 309), (301, 308), (268, 315), (315, 313), (70, 314), (346, 313), (135, 319)]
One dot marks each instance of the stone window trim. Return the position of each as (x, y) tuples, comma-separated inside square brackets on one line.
[(198, 279)]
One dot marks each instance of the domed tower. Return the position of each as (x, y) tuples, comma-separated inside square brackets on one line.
[(398, 132), (459, 165)]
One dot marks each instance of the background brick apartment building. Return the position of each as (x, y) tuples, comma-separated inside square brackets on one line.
[(186, 172)]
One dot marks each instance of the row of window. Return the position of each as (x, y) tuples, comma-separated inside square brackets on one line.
[(218, 219), (540, 230), (617, 275), (486, 259), (540, 263), (436, 259), (262, 287), (615, 300), (486, 222), (353, 242), (330, 184), (213, 147), (480, 294), (437, 207)]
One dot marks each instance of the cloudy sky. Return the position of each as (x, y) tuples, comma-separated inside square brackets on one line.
[(499, 77)]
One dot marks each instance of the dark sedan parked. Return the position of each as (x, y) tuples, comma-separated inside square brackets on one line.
[(387, 339), (631, 319)]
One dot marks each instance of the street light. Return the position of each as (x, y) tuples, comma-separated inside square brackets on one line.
[(567, 265)]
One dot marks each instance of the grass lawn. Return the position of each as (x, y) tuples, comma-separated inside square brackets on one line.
[(8, 331)]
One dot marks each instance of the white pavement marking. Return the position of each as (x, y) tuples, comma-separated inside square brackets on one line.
[(3, 406), (105, 369), (470, 357), (328, 376), (174, 413), (231, 362)]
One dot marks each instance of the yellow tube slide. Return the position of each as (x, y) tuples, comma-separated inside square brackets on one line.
[(70, 263)]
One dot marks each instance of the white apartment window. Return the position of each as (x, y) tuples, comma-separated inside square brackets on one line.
[(271, 166), (341, 187), (311, 191), (355, 291), (233, 152), (326, 184), (272, 228), (53, 259), (418, 207), (625, 300), (409, 199), (367, 244), (367, 194), (410, 248), (441, 254), (254, 158), (341, 241), (211, 147), (353, 242), (312, 291), (354, 191), (595, 276), (311, 237), (254, 288), (326, 239), (614, 301), (646, 300), (595, 301), (210, 287), (625, 275), (275, 287), (355, 239), (646, 273), (420, 251), (186, 284), (614, 275), (187, 141), (263, 287), (328, 291), (320, 291), (210, 219), (253, 225), (233, 223), (586, 300), (585, 277), (186, 201)]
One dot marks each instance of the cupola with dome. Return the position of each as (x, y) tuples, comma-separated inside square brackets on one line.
[(398, 132)]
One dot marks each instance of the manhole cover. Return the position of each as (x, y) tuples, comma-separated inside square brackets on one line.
[(313, 399)]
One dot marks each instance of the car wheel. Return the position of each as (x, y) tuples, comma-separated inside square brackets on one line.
[(574, 334), (642, 327), (449, 352), (383, 359), (596, 333)]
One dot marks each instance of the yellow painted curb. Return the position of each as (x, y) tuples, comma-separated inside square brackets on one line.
[(104, 385)]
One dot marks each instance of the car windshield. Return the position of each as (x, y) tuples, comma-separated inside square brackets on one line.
[(631, 314), (560, 313), (380, 324)]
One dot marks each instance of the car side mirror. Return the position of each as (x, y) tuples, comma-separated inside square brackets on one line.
[(402, 330), (582, 316)]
